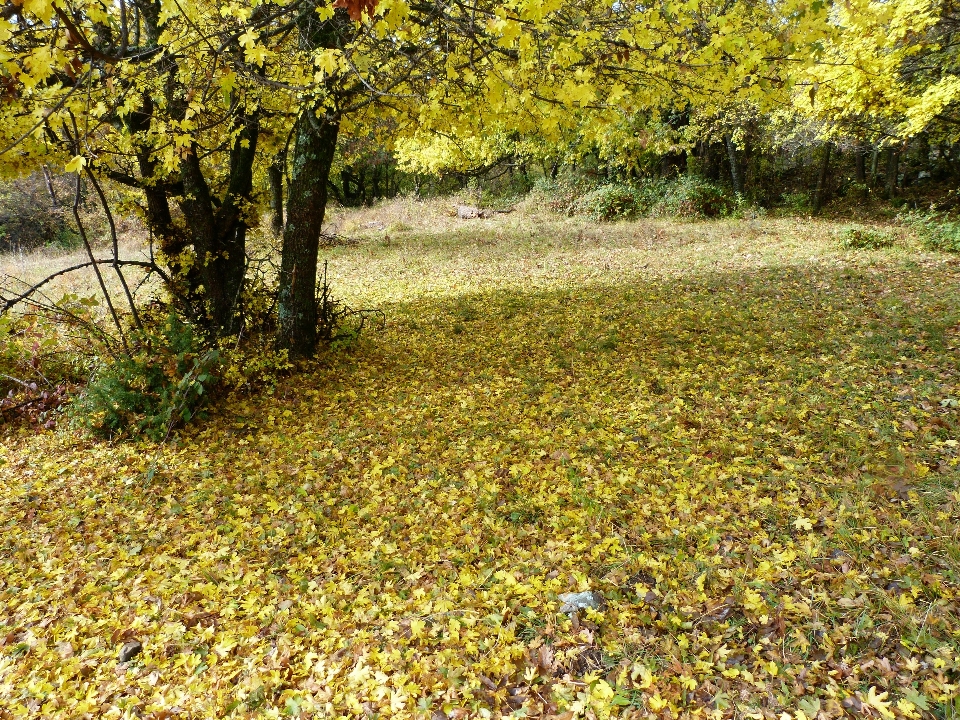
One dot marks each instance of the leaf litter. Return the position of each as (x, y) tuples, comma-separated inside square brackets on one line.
[(754, 474)]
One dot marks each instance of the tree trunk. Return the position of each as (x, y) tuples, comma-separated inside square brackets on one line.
[(315, 141), (893, 158), (923, 154), (735, 174), (822, 180), (375, 183), (874, 161), (219, 237), (275, 174), (860, 156)]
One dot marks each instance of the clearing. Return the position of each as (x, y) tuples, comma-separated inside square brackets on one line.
[(740, 437)]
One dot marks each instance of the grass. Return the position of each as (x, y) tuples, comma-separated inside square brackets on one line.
[(18, 271), (740, 434)]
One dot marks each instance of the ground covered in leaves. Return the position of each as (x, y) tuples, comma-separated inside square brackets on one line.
[(756, 467)]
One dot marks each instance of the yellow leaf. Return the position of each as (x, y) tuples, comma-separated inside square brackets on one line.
[(879, 702), (76, 164)]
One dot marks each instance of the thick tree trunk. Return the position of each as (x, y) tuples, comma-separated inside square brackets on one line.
[(158, 215), (315, 141), (275, 173), (735, 173), (822, 180), (219, 235), (230, 267)]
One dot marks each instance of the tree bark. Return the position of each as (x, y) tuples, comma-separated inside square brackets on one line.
[(219, 233), (893, 162), (735, 173), (873, 166), (315, 141), (923, 154), (822, 180), (275, 173), (860, 156)]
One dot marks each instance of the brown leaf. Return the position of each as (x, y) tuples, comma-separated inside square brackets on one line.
[(121, 635), (545, 658), (357, 8), (191, 621)]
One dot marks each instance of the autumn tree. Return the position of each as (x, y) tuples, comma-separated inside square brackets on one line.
[(188, 103), (887, 74)]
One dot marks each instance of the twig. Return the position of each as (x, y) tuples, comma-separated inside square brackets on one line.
[(116, 247), (30, 401), (16, 380), (11, 302), (93, 263), (42, 120)]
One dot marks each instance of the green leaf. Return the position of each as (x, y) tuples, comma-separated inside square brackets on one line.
[(916, 698)]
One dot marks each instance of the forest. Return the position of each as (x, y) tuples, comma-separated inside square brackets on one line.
[(454, 359)]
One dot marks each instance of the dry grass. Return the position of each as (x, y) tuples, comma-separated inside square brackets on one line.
[(19, 271), (407, 249)]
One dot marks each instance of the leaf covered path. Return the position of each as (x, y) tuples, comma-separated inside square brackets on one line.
[(757, 470)]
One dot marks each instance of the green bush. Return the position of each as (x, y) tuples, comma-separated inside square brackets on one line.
[(797, 202), (857, 237), (691, 196), (163, 382), (934, 231), (611, 202)]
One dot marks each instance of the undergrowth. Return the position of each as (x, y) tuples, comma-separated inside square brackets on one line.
[(162, 382), (682, 197), (858, 237), (935, 231)]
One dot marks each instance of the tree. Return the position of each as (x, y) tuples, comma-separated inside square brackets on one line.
[(888, 72), (173, 99)]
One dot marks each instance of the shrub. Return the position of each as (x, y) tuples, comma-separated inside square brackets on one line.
[(561, 194), (858, 192), (686, 196), (797, 202), (857, 237), (691, 196), (161, 383), (611, 202), (935, 232)]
